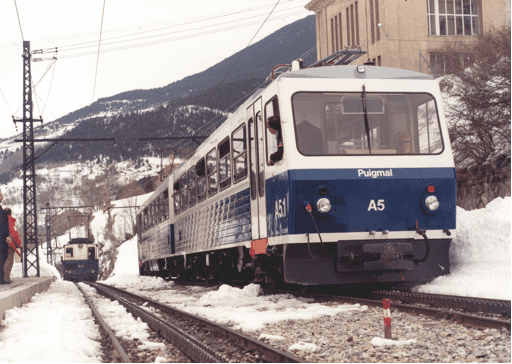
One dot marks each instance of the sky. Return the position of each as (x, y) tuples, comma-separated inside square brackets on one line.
[(144, 44), (480, 263)]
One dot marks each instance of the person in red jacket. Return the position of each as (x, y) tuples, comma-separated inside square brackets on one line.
[(15, 243)]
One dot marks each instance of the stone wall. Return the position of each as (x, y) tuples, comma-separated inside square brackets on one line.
[(479, 185)]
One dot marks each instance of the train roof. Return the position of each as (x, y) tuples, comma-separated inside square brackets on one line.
[(350, 72), (80, 241)]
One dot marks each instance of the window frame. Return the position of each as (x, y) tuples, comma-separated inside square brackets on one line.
[(192, 187), (414, 113), (176, 195), (223, 184), (184, 192), (453, 17), (201, 197), (243, 154), (265, 129), (215, 171)]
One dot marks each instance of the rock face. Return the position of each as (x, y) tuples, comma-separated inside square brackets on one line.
[(479, 185)]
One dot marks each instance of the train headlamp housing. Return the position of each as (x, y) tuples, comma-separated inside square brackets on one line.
[(432, 203), (323, 205)]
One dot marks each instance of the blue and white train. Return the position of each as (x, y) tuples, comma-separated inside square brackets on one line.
[(80, 261), (365, 191)]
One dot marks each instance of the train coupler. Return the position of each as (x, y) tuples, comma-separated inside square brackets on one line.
[(390, 256)]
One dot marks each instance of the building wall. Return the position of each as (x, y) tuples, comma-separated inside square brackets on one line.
[(404, 34)]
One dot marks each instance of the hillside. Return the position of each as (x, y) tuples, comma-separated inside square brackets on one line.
[(177, 109)]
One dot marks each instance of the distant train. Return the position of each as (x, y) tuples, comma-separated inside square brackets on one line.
[(80, 261), (365, 191)]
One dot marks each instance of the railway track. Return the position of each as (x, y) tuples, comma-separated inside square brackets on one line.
[(445, 307), (114, 351), (469, 304), (201, 340)]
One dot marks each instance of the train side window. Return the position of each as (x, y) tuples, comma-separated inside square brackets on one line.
[(177, 197), (260, 131), (224, 164), (271, 109), (211, 171), (429, 134), (150, 220), (153, 213), (146, 217), (184, 192), (192, 192), (91, 253), (239, 147), (161, 207), (253, 158), (166, 204), (69, 252), (201, 180)]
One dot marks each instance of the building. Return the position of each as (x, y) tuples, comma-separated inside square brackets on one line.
[(407, 34)]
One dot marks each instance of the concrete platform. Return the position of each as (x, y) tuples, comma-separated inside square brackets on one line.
[(21, 291)]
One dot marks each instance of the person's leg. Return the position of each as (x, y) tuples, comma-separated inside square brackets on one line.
[(8, 265)]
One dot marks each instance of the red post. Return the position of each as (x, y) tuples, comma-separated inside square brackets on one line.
[(387, 319)]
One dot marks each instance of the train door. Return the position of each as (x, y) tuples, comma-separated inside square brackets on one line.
[(257, 171)]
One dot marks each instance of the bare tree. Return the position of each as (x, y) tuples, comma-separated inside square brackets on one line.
[(477, 83)]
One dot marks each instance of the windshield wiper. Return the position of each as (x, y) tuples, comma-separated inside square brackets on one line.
[(366, 124)]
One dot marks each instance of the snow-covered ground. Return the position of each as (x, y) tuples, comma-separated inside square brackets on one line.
[(48, 329)]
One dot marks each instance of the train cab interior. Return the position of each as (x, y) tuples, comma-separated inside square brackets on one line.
[(355, 123)]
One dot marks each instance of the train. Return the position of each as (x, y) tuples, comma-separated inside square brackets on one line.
[(80, 261), (365, 191)]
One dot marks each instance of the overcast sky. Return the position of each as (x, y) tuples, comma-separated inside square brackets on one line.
[(144, 44)]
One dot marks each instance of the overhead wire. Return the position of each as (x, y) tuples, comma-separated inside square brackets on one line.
[(8, 108), (201, 27), (50, 88), (172, 39), (248, 44), (99, 44), (179, 22), (213, 123), (19, 22)]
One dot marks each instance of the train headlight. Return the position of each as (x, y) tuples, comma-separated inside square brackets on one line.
[(323, 205), (432, 203), (92, 270)]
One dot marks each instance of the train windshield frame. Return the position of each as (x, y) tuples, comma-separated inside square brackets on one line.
[(340, 123)]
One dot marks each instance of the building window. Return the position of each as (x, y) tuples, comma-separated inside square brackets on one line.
[(336, 27), (332, 35), (357, 24), (348, 27), (377, 21), (341, 31), (442, 63), (453, 17), (372, 21), (379, 62), (352, 25)]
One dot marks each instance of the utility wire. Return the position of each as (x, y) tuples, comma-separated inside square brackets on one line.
[(19, 22), (51, 82), (153, 42), (99, 44), (200, 27), (247, 46), (180, 22), (8, 108)]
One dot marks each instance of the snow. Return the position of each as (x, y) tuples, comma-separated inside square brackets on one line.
[(378, 341), (57, 326), (479, 255)]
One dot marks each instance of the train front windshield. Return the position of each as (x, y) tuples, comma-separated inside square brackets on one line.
[(366, 123)]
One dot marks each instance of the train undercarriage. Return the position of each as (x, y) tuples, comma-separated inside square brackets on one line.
[(334, 263)]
